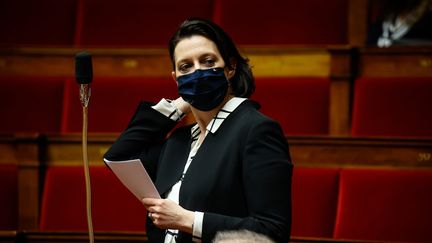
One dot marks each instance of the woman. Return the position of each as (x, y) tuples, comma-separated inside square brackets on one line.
[(231, 170)]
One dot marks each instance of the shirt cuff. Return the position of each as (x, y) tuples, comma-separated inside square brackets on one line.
[(167, 108), (198, 224)]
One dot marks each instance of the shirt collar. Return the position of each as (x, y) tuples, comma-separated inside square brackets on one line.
[(220, 117)]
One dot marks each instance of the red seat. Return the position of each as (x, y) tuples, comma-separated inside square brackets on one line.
[(392, 107), (315, 192), (135, 22), (284, 22), (37, 22), (64, 204), (300, 105), (385, 205), (31, 104), (113, 101), (9, 197)]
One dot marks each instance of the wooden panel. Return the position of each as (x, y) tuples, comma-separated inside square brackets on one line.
[(340, 91), (8, 236), (106, 62), (305, 151), (360, 152), (24, 151), (396, 62), (274, 61), (67, 150), (341, 61), (36, 66), (28, 154), (293, 62), (41, 237), (7, 150), (357, 22), (47, 237), (339, 119)]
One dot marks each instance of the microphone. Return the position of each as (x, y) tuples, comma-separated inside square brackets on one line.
[(84, 75)]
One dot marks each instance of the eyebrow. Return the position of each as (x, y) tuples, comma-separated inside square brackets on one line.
[(212, 54)]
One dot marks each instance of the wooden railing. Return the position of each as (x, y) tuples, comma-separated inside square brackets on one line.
[(61, 150)]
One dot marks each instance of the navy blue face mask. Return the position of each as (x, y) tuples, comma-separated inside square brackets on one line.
[(203, 89)]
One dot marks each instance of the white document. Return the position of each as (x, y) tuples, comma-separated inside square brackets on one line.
[(134, 176)]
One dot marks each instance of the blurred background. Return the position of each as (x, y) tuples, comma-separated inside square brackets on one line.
[(350, 82)]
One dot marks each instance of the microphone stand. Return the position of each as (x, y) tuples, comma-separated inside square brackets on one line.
[(85, 93)]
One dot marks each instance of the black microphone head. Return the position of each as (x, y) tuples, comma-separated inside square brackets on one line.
[(83, 68)]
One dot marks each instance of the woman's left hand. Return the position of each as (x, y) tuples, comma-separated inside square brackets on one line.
[(167, 214)]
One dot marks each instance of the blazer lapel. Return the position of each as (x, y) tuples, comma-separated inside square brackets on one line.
[(171, 165)]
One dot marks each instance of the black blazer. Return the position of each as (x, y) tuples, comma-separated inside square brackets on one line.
[(240, 177)]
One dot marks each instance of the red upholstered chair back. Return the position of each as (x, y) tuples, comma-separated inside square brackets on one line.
[(113, 101), (37, 22), (31, 104), (64, 203), (385, 205), (392, 107), (9, 197), (283, 22), (315, 193), (300, 105), (135, 22)]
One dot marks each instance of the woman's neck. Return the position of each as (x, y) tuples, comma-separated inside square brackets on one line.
[(203, 118)]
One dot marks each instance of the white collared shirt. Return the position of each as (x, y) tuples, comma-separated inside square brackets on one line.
[(167, 108)]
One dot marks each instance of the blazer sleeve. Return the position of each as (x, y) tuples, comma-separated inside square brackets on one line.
[(143, 138), (267, 172)]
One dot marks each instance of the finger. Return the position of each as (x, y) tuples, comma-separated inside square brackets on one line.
[(155, 218), (149, 201), (153, 209)]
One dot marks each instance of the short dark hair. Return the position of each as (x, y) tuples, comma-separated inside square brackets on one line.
[(243, 83), (241, 236)]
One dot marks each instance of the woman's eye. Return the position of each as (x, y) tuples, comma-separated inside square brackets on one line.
[(184, 67), (209, 62)]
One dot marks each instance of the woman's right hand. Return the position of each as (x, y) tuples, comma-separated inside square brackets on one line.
[(182, 105)]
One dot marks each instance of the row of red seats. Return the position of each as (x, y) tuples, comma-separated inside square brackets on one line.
[(392, 106), (357, 204), (63, 201), (327, 202), (382, 106), (363, 204), (51, 105), (151, 22), (114, 208)]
